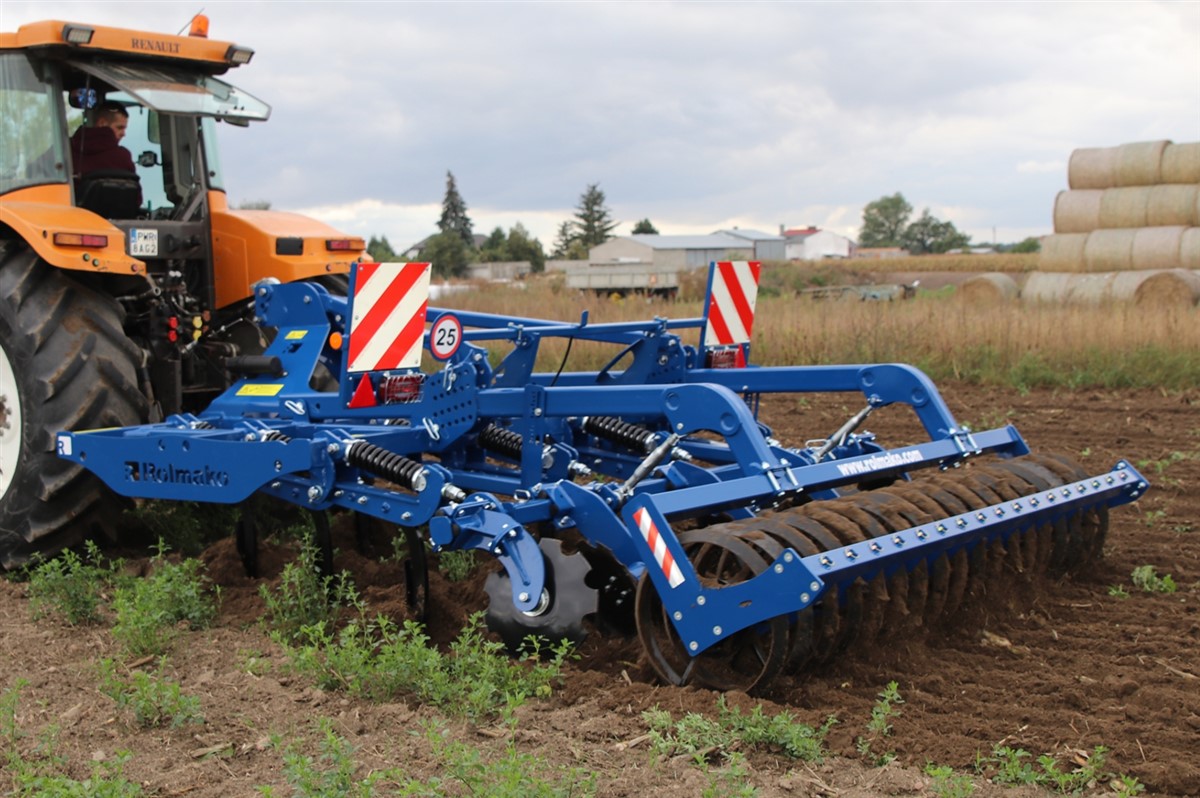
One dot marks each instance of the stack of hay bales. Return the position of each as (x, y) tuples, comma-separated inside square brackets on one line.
[(1128, 227)]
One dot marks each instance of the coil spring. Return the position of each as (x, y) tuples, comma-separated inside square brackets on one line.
[(621, 432), (201, 424), (502, 441), (387, 464), (275, 435)]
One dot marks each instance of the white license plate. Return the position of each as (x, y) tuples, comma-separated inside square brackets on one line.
[(143, 242)]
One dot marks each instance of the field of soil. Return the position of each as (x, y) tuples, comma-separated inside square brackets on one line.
[(1053, 666)]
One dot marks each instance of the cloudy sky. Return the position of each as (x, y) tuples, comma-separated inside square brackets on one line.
[(695, 115)]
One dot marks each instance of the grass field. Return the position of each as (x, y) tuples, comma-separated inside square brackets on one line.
[(1018, 345)]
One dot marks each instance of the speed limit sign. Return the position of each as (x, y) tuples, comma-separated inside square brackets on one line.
[(444, 336)]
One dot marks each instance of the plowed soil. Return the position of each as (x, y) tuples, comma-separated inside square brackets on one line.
[(1052, 666)]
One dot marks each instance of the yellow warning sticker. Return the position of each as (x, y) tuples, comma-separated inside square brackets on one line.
[(294, 335), (259, 390)]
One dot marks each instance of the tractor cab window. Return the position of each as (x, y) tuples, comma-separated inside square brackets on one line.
[(31, 148)]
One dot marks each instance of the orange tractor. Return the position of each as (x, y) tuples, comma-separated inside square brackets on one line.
[(124, 296)]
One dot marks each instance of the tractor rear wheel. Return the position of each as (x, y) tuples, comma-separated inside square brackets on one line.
[(65, 364)]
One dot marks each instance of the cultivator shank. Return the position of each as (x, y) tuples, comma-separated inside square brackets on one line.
[(644, 495)]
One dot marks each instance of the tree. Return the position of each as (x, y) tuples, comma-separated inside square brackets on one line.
[(448, 254), (522, 246), (884, 222), (1031, 244), (381, 250), (567, 244), (644, 227), (454, 214), (495, 248), (929, 235), (593, 223)]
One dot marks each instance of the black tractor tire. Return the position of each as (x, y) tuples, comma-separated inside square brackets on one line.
[(65, 364)]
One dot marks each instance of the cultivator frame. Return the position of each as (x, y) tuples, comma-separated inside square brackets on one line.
[(507, 460)]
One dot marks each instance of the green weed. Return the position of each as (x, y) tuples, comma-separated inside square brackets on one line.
[(457, 565), (186, 527), (1015, 766), (70, 587), (329, 775), (38, 774), (147, 610), (700, 737), (305, 597), (879, 727), (1118, 591), (154, 700), (947, 783), (510, 774), (379, 660), (1147, 578), (731, 781)]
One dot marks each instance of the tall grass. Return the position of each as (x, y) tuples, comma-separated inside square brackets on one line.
[(1016, 344)]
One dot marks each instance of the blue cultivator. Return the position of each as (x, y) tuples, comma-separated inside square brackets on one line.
[(644, 495)]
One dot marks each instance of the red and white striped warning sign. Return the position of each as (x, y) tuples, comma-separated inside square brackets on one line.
[(387, 316), (659, 546), (733, 292)]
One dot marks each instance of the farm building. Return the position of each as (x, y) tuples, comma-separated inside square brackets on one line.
[(767, 246), (811, 243), (675, 252)]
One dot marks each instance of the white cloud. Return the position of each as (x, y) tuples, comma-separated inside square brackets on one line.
[(695, 115)]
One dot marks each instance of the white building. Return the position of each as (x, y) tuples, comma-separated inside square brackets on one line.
[(810, 243), (676, 252)]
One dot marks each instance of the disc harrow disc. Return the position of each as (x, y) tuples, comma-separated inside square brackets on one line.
[(566, 601)]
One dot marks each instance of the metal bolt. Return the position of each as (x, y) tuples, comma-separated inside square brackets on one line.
[(679, 426), (333, 448), (693, 645), (678, 616), (275, 485), (701, 600), (362, 500), (523, 597), (497, 550), (308, 300), (537, 411), (405, 516), (814, 587), (314, 493), (250, 436), (787, 556), (804, 597), (717, 631), (778, 568)]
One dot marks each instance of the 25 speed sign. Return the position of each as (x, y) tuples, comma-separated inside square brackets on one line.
[(444, 336)]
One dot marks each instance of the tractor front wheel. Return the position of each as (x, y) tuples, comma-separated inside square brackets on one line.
[(65, 364)]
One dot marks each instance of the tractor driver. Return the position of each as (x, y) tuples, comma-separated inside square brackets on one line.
[(98, 147)]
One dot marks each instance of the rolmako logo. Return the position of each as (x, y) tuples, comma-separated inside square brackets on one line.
[(169, 474)]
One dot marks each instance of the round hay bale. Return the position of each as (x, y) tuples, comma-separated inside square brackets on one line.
[(1092, 167), (1125, 284), (1108, 251), (1077, 211), (1181, 163), (1062, 252), (1172, 205), (1049, 287), (1157, 248), (1140, 163), (1189, 248), (1174, 288), (992, 288), (1090, 289), (1123, 207)]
